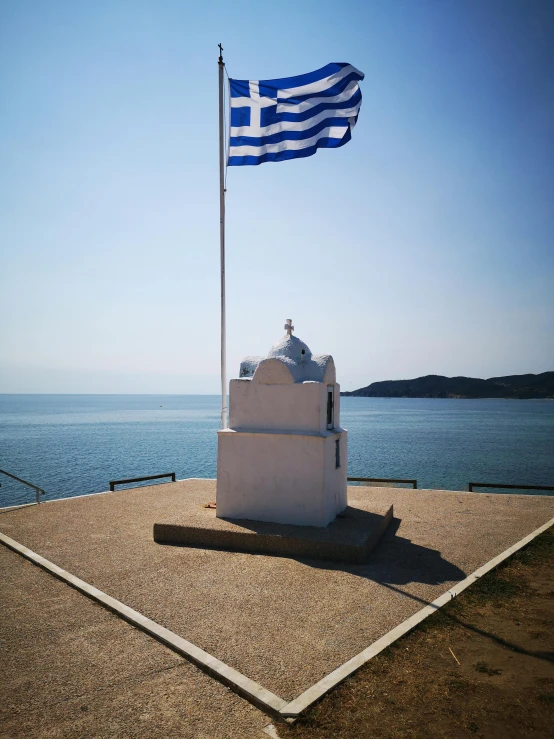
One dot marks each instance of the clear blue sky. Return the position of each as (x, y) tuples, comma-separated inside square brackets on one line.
[(423, 246)]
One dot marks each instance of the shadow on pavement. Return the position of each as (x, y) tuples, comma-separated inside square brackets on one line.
[(398, 561)]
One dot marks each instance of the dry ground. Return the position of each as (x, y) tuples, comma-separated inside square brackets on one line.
[(481, 667)]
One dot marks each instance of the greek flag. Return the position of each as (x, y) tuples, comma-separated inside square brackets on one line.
[(274, 120)]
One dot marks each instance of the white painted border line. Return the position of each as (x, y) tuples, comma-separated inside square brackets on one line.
[(101, 492), (15, 507), (303, 701), (213, 479), (238, 682)]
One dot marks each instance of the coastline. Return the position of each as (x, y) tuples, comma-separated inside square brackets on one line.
[(354, 394)]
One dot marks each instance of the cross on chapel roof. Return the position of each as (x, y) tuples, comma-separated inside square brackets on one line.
[(289, 328)]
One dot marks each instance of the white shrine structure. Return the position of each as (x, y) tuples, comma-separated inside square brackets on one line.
[(284, 456)]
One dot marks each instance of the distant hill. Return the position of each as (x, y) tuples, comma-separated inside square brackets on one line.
[(436, 386)]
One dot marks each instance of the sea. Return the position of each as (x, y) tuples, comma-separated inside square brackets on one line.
[(75, 444)]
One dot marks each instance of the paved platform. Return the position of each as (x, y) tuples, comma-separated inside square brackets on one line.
[(72, 669), (351, 537), (283, 622)]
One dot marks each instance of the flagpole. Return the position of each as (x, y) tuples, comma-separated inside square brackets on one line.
[(222, 244)]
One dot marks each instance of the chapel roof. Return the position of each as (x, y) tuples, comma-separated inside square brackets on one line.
[(289, 360), (290, 347)]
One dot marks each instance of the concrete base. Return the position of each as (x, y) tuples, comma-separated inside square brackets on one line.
[(349, 538), (286, 623)]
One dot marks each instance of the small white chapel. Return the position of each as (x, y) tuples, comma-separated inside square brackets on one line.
[(283, 457)]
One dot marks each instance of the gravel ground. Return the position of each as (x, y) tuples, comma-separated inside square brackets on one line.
[(282, 622), (72, 669)]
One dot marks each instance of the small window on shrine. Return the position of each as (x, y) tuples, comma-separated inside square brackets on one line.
[(337, 454), (330, 406)]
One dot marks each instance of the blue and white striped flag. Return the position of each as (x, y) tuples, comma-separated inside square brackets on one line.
[(275, 120)]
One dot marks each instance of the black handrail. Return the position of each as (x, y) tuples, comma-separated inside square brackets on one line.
[(472, 485), (36, 488), (113, 483), (382, 479)]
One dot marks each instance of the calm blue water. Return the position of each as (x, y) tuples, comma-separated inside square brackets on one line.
[(75, 444)]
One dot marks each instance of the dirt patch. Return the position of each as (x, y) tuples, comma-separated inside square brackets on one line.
[(483, 666)]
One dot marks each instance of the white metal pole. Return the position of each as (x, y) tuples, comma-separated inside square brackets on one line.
[(222, 244)]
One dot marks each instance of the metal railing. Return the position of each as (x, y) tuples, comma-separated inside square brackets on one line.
[(113, 483), (38, 491), (413, 483), (472, 485)]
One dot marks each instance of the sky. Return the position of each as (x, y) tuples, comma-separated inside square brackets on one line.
[(423, 246)]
